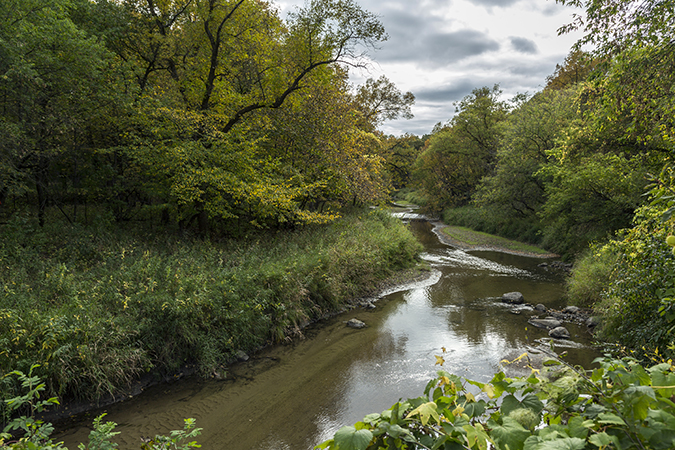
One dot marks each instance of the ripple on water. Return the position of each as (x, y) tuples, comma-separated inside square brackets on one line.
[(462, 260)]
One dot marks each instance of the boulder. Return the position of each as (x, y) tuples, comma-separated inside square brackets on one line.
[(571, 309), (355, 323), (540, 307), (592, 322), (548, 322), (515, 298), (559, 333)]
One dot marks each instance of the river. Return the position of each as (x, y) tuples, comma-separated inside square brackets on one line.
[(297, 395)]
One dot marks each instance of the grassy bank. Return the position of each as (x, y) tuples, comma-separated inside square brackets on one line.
[(470, 239), (98, 307)]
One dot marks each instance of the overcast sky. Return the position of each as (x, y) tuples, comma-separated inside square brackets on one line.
[(441, 50)]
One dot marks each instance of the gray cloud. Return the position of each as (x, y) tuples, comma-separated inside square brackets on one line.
[(523, 45), (436, 49), (491, 3), (445, 94)]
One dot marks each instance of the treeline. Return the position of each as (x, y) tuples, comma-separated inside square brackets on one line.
[(210, 115), (171, 173), (589, 155), (560, 168)]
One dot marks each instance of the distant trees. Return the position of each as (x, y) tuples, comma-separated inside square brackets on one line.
[(193, 112), (565, 166), (459, 154)]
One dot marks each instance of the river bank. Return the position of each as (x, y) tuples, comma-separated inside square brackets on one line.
[(100, 310), (470, 240), (337, 374)]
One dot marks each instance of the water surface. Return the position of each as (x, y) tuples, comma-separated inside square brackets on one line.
[(295, 396)]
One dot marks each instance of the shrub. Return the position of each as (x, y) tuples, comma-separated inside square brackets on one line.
[(96, 307), (591, 275), (618, 405)]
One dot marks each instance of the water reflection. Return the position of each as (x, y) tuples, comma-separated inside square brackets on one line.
[(296, 396)]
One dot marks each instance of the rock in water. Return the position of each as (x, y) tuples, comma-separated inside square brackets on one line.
[(540, 307), (355, 323), (548, 322), (559, 333), (571, 309), (515, 298)]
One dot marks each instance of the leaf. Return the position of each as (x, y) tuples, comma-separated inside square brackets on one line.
[(563, 444), (610, 419), (439, 360), (510, 435), (600, 439), (425, 411), (349, 438)]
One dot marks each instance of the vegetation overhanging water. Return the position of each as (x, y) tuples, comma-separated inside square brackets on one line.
[(337, 374)]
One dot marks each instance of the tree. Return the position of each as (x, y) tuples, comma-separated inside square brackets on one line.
[(611, 26), (531, 130), (575, 69), (400, 154), (380, 100), (460, 155), (53, 91), (211, 90)]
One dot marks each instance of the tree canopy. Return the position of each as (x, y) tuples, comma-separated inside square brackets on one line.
[(192, 112)]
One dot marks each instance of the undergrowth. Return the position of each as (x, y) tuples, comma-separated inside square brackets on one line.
[(97, 307)]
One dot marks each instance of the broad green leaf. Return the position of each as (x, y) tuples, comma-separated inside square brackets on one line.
[(600, 439), (509, 403), (577, 427), (610, 419), (476, 436), (425, 411), (372, 418), (532, 402), (510, 434), (562, 444), (349, 438)]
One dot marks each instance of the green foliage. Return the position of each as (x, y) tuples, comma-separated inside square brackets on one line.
[(36, 433), (589, 198), (459, 155), (98, 307), (591, 275), (620, 404), (170, 112), (516, 188), (640, 279), (175, 441), (612, 25)]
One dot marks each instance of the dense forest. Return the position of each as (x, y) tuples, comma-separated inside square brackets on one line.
[(582, 168), (194, 114), (184, 179)]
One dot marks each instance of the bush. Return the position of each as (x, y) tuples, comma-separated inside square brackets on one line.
[(591, 275), (97, 307), (618, 405), (642, 274)]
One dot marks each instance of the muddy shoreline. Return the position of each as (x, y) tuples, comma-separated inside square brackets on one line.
[(443, 237), (70, 410)]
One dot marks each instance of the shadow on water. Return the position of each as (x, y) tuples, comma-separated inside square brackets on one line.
[(295, 396)]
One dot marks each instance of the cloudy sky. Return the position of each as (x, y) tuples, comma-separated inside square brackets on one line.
[(441, 50)]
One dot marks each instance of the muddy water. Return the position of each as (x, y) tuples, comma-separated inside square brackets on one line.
[(295, 396)]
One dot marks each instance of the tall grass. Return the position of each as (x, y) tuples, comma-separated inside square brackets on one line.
[(98, 307), (494, 222), (591, 275)]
